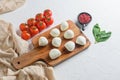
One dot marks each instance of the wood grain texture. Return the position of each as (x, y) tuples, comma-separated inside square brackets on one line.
[(42, 53)]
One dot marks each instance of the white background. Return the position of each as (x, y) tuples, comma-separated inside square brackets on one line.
[(100, 61)]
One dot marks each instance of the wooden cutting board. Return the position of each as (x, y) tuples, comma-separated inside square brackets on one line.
[(42, 53)]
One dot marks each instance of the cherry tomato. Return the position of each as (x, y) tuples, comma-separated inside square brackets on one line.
[(39, 17), (41, 25), (23, 27), (25, 35), (34, 30), (31, 22), (47, 12), (49, 21)]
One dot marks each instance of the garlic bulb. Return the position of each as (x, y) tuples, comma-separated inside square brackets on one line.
[(43, 41), (64, 26), (69, 34), (70, 45), (55, 32), (56, 42), (81, 40), (54, 53)]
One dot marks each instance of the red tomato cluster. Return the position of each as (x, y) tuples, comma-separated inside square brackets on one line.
[(36, 25)]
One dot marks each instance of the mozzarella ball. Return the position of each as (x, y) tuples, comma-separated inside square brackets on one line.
[(69, 34), (70, 45), (43, 41), (56, 42), (64, 26), (55, 32), (54, 53), (81, 40)]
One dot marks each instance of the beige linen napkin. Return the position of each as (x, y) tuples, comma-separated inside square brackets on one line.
[(12, 46), (10, 5)]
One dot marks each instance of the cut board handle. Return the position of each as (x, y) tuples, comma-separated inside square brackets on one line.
[(27, 59)]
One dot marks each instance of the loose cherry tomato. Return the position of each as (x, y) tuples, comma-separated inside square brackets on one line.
[(23, 27), (34, 30), (39, 17), (47, 12), (25, 35), (49, 21), (31, 22), (41, 25)]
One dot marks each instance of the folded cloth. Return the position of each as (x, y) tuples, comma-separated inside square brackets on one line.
[(10, 5), (12, 46)]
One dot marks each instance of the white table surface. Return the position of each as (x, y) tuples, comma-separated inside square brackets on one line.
[(100, 61)]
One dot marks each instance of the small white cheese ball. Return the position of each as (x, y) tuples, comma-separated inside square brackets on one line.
[(43, 41), (54, 53), (81, 40), (69, 34), (56, 42), (55, 32), (70, 45), (64, 26)]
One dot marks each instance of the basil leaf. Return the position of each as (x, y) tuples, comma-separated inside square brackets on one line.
[(100, 36), (96, 29), (104, 37)]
